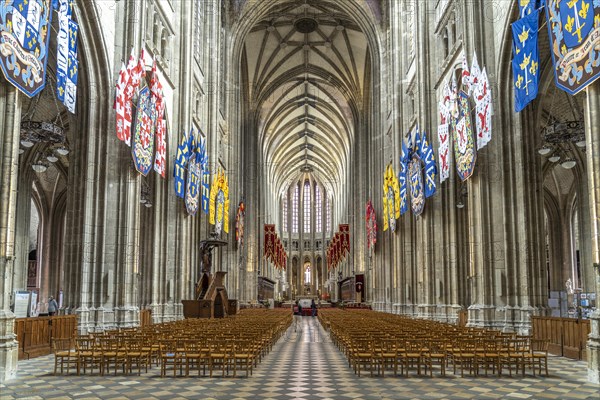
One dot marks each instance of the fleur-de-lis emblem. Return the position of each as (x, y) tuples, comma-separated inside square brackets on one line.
[(534, 67), (569, 24), (519, 82), (585, 7), (523, 36), (525, 63)]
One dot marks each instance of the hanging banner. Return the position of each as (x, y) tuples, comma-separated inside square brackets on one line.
[(194, 181), (526, 60), (483, 101), (464, 142), (415, 178), (121, 103), (371, 224), (270, 236), (345, 236), (206, 191), (391, 199), (239, 225), (24, 38), (574, 30), (143, 140), (181, 160), (219, 203), (161, 126), (72, 73), (62, 48), (444, 133), (427, 156)]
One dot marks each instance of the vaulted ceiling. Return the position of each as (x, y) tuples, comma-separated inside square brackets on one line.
[(306, 66)]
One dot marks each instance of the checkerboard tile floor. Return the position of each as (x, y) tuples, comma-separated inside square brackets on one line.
[(304, 364)]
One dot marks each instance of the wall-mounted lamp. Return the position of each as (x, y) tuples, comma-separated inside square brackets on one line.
[(145, 195), (462, 196)]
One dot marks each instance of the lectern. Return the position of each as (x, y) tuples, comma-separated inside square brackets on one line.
[(211, 299)]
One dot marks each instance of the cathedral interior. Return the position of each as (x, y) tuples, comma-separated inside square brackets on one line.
[(300, 107)]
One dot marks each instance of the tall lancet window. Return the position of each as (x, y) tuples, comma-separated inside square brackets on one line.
[(328, 211), (318, 209), (284, 212), (306, 207), (295, 209)]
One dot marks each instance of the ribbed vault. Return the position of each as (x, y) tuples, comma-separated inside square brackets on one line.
[(306, 70)]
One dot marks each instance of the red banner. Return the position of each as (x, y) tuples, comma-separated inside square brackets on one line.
[(345, 238), (270, 237)]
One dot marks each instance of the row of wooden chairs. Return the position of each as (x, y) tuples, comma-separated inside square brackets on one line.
[(378, 342), (237, 343)]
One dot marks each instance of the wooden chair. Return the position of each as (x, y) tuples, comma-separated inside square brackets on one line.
[(539, 354), (170, 356), (362, 355), (89, 353), (388, 355), (64, 353), (112, 354), (413, 355), (518, 350), (464, 354), (242, 356), (135, 354), (437, 354), (194, 356), (218, 357), (488, 356)]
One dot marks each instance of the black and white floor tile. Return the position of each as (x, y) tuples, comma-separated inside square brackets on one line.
[(304, 364)]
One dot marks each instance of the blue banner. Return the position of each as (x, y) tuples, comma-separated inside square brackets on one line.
[(71, 83), (24, 38), (526, 7), (526, 60), (62, 48), (206, 191), (428, 157), (574, 31), (181, 160), (402, 176)]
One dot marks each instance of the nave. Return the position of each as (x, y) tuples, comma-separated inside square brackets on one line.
[(303, 364)]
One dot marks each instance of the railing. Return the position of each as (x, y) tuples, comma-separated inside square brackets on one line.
[(567, 336), (34, 334)]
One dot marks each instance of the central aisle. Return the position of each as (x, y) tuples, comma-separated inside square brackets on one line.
[(305, 363)]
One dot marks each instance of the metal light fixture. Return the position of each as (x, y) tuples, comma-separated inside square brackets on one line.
[(25, 142), (545, 150), (554, 158), (50, 156), (62, 150), (462, 196), (40, 166), (33, 132), (556, 136), (145, 195), (568, 163)]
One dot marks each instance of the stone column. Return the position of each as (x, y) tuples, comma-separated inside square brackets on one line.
[(10, 115), (592, 133)]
